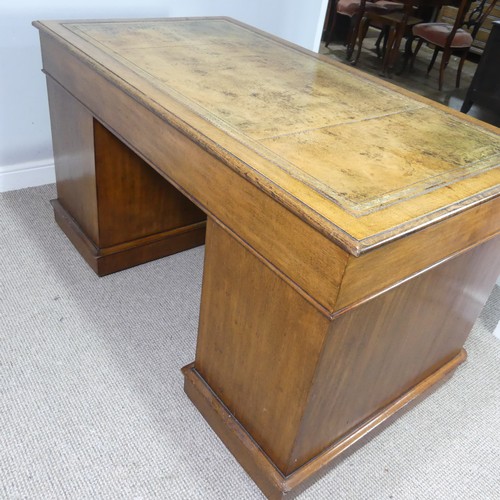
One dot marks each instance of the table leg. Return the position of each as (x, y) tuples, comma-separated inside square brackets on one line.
[(111, 204)]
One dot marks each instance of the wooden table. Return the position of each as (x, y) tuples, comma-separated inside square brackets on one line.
[(352, 228)]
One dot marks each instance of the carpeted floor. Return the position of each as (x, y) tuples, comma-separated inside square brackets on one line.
[(92, 405)]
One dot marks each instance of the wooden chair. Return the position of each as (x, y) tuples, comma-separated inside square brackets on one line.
[(355, 9), (393, 26), (452, 38)]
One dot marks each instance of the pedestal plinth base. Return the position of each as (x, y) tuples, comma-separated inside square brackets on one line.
[(255, 461), (132, 253)]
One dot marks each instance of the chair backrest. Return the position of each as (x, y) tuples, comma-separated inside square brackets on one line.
[(477, 15), (462, 8), (468, 14)]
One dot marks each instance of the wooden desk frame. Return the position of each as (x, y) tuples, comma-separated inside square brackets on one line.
[(305, 344)]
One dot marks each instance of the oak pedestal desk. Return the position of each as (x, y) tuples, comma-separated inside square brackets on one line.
[(351, 228)]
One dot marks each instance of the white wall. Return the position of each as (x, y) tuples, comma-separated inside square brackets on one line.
[(25, 143)]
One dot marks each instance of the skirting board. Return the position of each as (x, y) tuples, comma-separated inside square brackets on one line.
[(28, 174)]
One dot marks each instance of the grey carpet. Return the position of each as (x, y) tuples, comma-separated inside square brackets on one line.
[(91, 398)]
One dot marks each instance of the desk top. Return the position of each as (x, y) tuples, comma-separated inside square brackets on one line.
[(361, 160)]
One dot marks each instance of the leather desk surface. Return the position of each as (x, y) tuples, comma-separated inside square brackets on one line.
[(360, 160)]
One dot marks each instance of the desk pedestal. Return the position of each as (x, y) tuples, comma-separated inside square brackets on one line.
[(111, 204), (288, 389)]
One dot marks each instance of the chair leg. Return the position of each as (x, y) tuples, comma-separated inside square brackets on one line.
[(460, 67), (353, 36), (444, 62), (382, 37), (389, 52), (433, 60), (407, 54), (414, 56), (362, 31), (392, 53)]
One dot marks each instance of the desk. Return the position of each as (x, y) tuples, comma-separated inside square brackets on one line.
[(351, 235)]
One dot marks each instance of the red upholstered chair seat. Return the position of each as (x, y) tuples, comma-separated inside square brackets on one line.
[(385, 6), (437, 33), (348, 7), (351, 7)]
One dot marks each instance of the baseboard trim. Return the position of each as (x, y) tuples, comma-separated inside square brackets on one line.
[(27, 174)]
